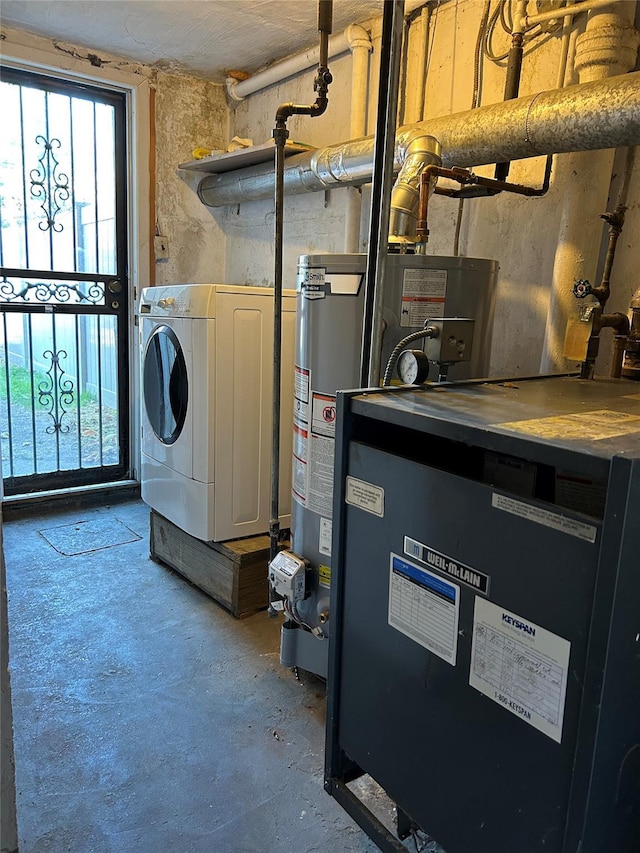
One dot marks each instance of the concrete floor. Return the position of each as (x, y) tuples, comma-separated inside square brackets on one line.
[(147, 718)]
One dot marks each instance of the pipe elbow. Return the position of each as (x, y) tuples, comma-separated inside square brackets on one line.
[(319, 107), (357, 36), (416, 151), (232, 85), (618, 322), (284, 112)]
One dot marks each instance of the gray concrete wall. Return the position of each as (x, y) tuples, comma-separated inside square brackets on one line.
[(190, 113), (520, 233)]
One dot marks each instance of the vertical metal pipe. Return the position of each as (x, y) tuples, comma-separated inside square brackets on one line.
[(417, 106), (280, 135), (511, 89), (325, 23), (73, 187), (33, 393), (95, 189), (55, 368), (280, 138), (78, 391), (8, 392), (617, 356), (392, 21), (49, 201), (24, 184), (100, 425)]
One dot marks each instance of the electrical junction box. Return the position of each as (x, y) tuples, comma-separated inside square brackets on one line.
[(485, 653), (452, 342)]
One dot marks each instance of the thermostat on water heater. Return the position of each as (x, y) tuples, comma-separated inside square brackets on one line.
[(287, 575)]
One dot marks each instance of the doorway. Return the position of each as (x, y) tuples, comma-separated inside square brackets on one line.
[(64, 379)]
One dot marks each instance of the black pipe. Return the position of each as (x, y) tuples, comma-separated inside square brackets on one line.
[(325, 23), (323, 76), (615, 221), (280, 135), (620, 324), (390, 50), (511, 88)]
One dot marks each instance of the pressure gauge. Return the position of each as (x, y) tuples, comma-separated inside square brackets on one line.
[(413, 367)]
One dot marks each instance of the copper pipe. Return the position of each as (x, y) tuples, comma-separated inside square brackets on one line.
[(465, 177)]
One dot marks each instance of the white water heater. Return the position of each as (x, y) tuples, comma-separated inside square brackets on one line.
[(329, 316)]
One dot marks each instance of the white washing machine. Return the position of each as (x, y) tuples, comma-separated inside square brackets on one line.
[(207, 367)]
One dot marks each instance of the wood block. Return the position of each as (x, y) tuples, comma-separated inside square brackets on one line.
[(234, 573)]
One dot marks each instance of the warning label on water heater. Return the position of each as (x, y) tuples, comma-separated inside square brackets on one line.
[(423, 296), (314, 427), (300, 462), (301, 396), (521, 666)]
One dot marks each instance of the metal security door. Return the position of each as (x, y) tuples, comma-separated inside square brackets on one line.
[(64, 392)]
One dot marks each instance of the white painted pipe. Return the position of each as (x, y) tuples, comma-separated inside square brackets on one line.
[(354, 36), (607, 47), (416, 104), (585, 6), (360, 48), (564, 50)]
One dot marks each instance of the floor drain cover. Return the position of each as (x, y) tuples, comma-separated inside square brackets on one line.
[(85, 536)]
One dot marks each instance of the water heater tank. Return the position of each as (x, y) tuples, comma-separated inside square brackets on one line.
[(329, 316)]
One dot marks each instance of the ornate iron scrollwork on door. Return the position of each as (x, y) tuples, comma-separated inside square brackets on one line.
[(56, 392), (49, 184), (80, 293)]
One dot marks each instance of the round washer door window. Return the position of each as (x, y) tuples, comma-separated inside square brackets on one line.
[(166, 389)]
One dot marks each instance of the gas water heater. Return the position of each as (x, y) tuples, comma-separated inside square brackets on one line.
[(330, 307)]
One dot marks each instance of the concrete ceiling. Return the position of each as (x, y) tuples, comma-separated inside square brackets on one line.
[(202, 37)]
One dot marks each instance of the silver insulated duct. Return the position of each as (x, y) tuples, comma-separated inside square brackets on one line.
[(590, 116)]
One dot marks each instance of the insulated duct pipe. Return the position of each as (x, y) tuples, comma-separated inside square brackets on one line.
[(586, 117)]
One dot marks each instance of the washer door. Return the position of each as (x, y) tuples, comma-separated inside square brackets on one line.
[(166, 387)]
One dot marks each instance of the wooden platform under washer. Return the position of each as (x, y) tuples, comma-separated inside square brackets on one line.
[(233, 573)]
